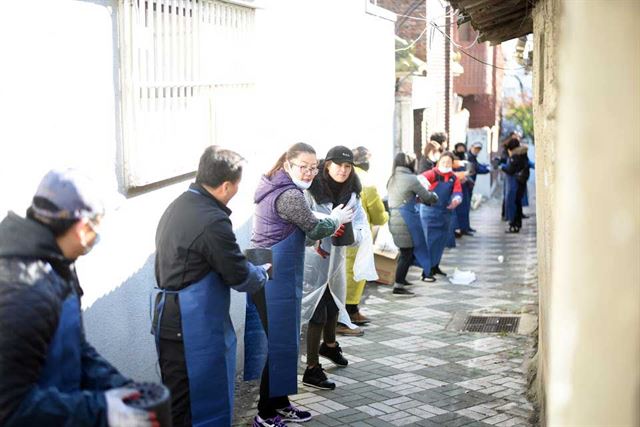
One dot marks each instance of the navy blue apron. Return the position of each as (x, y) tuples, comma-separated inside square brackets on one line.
[(437, 219), (283, 295), (511, 188), (464, 209), (525, 197), (411, 216), (63, 366), (453, 225), (209, 348)]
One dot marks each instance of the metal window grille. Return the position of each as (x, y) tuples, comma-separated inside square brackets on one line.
[(186, 72)]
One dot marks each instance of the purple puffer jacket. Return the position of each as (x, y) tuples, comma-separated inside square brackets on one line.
[(269, 228)]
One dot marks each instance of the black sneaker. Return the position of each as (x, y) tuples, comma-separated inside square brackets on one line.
[(436, 270), (291, 414), (402, 292), (315, 377), (268, 422), (429, 278), (334, 354)]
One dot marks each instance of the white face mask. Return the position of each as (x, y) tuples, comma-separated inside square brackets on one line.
[(444, 170), (87, 247), (303, 185)]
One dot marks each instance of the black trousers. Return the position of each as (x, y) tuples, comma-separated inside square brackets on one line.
[(267, 405), (517, 221), (405, 260), (173, 368)]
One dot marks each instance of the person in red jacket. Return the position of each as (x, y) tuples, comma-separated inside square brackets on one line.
[(436, 218)]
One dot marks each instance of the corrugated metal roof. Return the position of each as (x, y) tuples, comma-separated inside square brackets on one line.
[(497, 20)]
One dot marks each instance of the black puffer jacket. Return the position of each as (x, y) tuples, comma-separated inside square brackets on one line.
[(518, 164), (31, 297)]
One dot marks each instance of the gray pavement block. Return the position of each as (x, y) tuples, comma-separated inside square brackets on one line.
[(409, 369)]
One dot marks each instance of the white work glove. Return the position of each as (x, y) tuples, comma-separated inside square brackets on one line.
[(266, 266), (267, 269), (121, 415), (342, 214)]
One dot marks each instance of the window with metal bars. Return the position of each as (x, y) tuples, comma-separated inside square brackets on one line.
[(186, 72)]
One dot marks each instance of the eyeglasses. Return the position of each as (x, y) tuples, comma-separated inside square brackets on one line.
[(94, 225), (313, 170)]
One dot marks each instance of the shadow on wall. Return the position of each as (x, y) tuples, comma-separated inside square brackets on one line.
[(118, 325)]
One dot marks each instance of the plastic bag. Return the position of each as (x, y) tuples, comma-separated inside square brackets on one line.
[(364, 267)]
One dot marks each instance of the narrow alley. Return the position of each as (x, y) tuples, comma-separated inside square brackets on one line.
[(414, 365), (246, 166)]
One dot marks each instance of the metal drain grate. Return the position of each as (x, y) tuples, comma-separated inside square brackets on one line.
[(491, 324)]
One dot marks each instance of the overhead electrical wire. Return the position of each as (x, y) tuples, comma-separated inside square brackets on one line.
[(473, 57), (431, 23)]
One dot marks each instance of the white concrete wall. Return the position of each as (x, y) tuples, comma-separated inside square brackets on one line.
[(327, 78), (594, 323), (326, 75)]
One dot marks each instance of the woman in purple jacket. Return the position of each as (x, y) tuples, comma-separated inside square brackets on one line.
[(282, 221)]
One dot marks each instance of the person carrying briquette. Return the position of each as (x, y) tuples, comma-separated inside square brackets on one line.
[(462, 168), (477, 168), (406, 193), (198, 262), (49, 374), (323, 303), (376, 215), (501, 161), (430, 154), (436, 219), (442, 139), (282, 221), (517, 172)]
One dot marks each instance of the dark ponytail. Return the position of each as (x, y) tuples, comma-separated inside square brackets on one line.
[(405, 160), (293, 152)]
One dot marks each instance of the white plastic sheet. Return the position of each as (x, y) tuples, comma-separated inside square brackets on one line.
[(320, 273), (462, 277)]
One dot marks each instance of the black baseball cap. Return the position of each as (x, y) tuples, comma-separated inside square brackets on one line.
[(340, 154)]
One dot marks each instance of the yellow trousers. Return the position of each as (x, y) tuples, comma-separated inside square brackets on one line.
[(354, 289)]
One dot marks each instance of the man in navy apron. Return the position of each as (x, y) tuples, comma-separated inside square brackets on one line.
[(198, 261), (49, 374)]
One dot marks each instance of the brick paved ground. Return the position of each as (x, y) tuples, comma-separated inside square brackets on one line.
[(414, 366)]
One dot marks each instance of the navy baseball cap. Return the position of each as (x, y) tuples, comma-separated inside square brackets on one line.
[(66, 194)]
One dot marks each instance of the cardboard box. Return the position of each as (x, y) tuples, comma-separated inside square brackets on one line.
[(386, 262), (385, 255)]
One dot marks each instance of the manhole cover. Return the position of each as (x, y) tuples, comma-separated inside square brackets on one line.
[(491, 324)]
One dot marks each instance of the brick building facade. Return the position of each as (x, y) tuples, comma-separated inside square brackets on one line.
[(480, 85)]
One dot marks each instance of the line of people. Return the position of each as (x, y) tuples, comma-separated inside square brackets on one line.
[(430, 202), (516, 165), (314, 215)]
